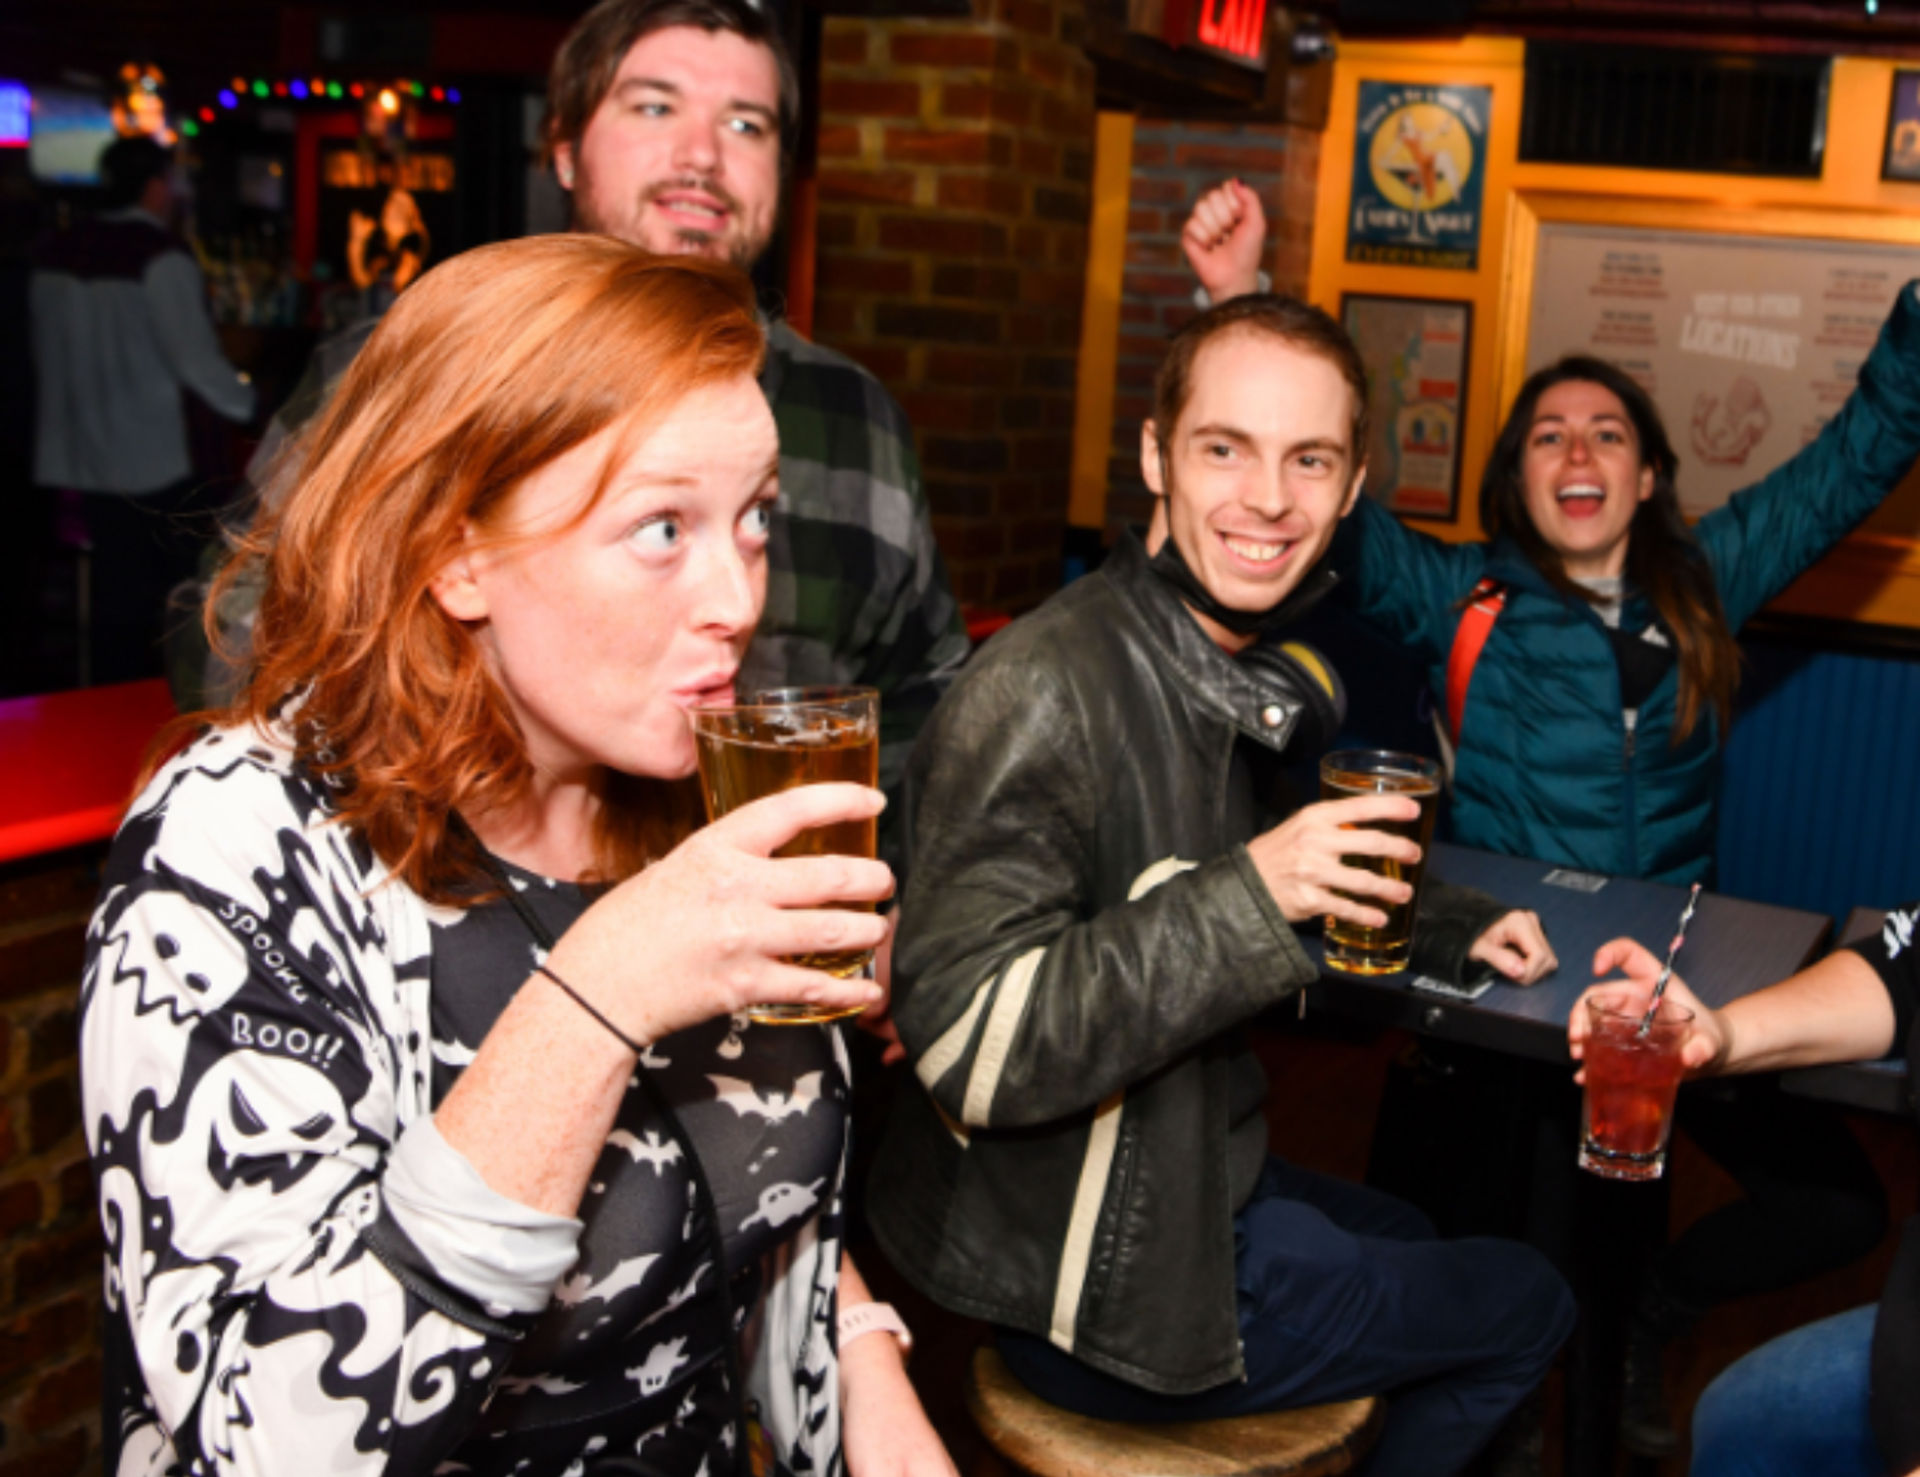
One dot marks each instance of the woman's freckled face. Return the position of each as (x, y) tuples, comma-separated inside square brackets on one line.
[(605, 632)]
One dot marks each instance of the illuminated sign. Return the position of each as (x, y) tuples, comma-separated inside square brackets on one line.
[(16, 115), (1235, 29), (1232, 30), (350, 169)]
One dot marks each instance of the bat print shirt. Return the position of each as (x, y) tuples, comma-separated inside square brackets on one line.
[(302, 1275), (765, 1107)]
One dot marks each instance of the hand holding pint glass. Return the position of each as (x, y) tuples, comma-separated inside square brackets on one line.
[(774, 740), (1356, 948), (1355, 858)]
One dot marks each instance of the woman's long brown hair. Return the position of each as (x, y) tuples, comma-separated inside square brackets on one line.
[(1664, 562), (491, 366)]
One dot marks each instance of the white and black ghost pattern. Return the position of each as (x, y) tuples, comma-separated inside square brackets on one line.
[(632, 1343), (264, 1012)]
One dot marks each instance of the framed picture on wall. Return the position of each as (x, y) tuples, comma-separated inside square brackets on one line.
[(1901, 161), (1418, 159), (1416, 353)]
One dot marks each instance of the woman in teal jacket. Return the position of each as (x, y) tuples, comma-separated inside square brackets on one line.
[(1590, 733)]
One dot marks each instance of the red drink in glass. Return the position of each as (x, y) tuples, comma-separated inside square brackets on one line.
[(1631, 1080)]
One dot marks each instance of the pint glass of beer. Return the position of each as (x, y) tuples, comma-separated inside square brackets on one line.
[(785, 736), (1343, 775)]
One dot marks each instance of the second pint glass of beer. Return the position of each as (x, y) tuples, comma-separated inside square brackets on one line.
[(773, 740), (1350, 772)]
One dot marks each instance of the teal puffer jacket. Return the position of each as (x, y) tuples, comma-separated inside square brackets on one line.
[(1545, 766)]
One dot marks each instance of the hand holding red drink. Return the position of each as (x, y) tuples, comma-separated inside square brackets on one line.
[(1631, 1073), (1707, 1041)]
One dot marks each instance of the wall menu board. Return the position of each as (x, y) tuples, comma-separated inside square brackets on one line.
[(1748, 344), (1415, 353)]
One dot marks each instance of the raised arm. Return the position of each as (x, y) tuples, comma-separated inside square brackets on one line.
[(1766, 535), (1406, 583), (1224, 239)]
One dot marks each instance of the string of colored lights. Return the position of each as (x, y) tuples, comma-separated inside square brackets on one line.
[(388, 96)]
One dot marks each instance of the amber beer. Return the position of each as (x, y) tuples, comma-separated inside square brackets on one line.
[(774, 740), (1351, 948)]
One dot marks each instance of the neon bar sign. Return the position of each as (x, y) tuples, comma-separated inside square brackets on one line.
[(15, 115)]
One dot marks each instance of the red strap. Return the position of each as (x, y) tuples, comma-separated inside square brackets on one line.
[(1476, 624)]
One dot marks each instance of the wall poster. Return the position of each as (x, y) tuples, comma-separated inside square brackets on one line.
[(1748, 344), (1416, 354), (1901, 158), (1418, 159)]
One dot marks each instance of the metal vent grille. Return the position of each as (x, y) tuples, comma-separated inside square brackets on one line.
[(1649, 108)]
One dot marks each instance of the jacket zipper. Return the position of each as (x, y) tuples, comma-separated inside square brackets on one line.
[(1632, 722)]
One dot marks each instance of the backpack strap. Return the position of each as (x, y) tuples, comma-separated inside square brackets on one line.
[(1484, 605)]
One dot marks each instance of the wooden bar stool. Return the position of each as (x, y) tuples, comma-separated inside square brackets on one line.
[(1046, 1441)]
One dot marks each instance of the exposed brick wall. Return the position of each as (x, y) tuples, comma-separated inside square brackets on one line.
[(1173, 165), (50, 1242), (954, 189)]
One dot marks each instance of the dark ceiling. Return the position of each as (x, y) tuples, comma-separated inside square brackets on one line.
[(1826, 26), (201, 39), (193, 39)]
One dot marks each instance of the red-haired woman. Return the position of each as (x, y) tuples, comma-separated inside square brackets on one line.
[(424, 1126)]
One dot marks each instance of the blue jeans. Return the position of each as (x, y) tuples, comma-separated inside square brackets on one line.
[(1344, 1291), (1794, 1407)]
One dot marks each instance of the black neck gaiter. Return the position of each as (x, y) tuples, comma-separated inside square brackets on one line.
[(1171, 565)]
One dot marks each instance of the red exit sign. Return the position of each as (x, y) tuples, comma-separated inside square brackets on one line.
[(1234, 29)]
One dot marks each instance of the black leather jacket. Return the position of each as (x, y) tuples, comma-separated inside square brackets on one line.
[(1082, 936)]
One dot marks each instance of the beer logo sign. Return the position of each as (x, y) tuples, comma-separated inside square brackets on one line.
[(1418, 158)]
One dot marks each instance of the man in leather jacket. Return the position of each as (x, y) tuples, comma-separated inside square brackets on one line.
[(1104, 891)]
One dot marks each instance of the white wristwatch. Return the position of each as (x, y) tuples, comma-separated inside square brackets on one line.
[(865, 1318)]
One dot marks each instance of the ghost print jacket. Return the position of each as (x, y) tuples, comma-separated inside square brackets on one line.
[(298, 1269)]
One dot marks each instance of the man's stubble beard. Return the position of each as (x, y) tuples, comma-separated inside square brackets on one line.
[(702, 243), (685, 242)]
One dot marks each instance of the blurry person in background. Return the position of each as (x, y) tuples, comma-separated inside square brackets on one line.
[(667, 122), (23, 552), (120, 333)]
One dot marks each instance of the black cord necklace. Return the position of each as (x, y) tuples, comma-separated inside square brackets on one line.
[(656, 1099)]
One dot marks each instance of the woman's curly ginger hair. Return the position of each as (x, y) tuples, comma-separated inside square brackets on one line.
[(493, 365)]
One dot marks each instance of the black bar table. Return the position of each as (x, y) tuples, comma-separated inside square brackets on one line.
[(1733, 948)]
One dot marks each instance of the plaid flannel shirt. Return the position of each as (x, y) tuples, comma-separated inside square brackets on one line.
[(856, 590)]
